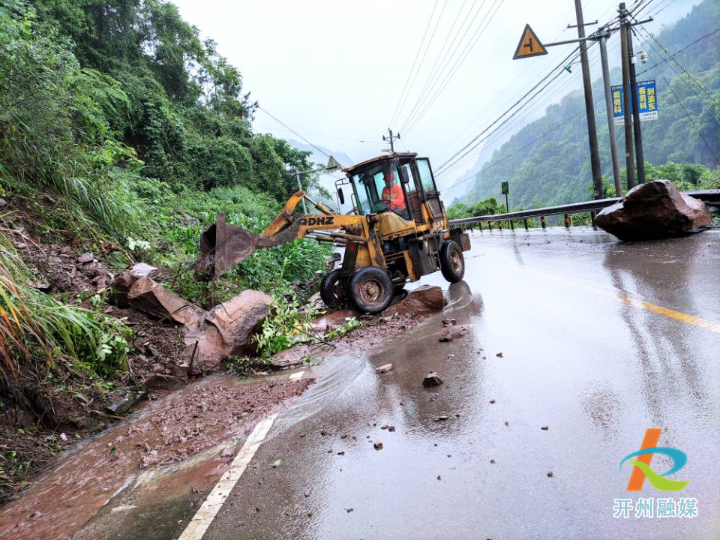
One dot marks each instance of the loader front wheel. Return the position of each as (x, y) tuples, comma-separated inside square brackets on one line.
[(452, 262), (371, 290), (333, 289)]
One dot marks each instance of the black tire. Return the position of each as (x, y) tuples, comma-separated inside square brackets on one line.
[(333, 290), (452, 262), (371, 290)]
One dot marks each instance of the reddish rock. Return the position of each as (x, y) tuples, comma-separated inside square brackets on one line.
[(453, 332), (652, 211), (155, 300), (227, 330), (432, 379), (124, 282), (421, 301), (333, 320)]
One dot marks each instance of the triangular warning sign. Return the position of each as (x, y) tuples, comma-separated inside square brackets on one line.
[(529, 45)]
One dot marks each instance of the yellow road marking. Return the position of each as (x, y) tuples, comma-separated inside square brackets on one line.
[(660, 310)]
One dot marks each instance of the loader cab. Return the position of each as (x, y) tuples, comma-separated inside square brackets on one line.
[(412, 177)]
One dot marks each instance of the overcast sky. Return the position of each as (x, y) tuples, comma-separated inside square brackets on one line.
[(335, 69)]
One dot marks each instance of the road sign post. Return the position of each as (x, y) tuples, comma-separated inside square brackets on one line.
[(506, 191)]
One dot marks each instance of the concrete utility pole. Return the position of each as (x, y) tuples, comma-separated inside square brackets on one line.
[(589, 106), (627, 96), (639, 158), (391, 138), (602, 38)]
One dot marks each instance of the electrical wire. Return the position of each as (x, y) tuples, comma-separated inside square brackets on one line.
[(404, 94), (501, 132), (706, 36), (295, 132), (516, 104), (441, 60), (463, 55), (677, 62), (377, 143)]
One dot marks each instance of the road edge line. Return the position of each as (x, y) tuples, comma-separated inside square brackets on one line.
[(206, 514)]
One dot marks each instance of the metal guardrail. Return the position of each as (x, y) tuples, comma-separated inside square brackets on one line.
[(710, 197)]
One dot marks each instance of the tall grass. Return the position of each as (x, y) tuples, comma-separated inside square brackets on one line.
[(36, 330)]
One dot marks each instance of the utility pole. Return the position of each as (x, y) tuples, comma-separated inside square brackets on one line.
[(589, 106), (391, 138), (602, 38), (627, 96), (639, 158)]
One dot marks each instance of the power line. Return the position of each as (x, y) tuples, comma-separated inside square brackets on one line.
[(516, 104), (403, 95), (295, 132), (523, 118), (377, 143), (499, 95), (677, 62), (463, 55), (440, 59), (681, 51)]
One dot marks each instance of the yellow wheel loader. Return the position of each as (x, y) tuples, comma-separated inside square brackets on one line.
[(396, 232)]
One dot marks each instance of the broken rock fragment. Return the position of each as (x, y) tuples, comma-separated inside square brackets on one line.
[(227, 331), (384, 369), (421, 301), (432, 379), (151, 298), (453, 332), (124, 281)]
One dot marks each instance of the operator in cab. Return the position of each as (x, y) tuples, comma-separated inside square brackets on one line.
[(392, 193)]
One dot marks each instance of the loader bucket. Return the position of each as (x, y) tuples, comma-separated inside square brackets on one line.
[(222, 246)]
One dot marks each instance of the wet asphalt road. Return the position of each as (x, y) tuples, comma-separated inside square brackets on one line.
[(595, 369), (600, 341)]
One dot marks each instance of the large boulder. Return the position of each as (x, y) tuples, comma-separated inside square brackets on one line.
[(652, 211), (421, 301), (151, 298), (227, 330)]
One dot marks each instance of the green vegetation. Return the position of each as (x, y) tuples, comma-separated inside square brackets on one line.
[(137, 132), (547, 161), (35, 326)]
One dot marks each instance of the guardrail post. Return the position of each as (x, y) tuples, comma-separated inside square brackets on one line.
[(542, 221), (490, 225), (500, 225), (480, 225), (512, 225), (526, 223), (568, 221)]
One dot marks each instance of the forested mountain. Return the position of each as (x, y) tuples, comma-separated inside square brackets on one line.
[(547, 162)]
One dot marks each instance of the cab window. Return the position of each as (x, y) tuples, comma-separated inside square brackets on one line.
[(426, 178)]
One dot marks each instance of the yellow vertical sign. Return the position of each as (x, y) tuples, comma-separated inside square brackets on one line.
[(529, 45)]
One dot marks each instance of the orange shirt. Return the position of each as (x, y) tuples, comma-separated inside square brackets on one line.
[(393, 197)]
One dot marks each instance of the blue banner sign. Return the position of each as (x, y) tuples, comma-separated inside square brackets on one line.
[(647, 99)]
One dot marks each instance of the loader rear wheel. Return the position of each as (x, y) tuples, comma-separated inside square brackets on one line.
[(371, 290), (452, 262), (333, 289)]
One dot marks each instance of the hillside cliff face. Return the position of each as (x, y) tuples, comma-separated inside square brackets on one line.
[(547, 162)]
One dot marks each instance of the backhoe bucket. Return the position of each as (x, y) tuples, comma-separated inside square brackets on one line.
[(222, 246)]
